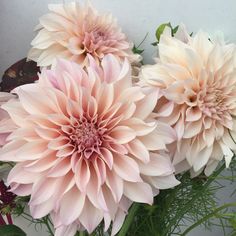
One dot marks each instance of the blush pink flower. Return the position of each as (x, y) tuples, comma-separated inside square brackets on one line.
[(6, 125), (73, 31), (196, 81), (83, 143)]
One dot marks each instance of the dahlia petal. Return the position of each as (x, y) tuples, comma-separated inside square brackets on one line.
[(110, 203), (68, 230), (43, 209), (126, 168), (16, 112), (33, 103), (165, 132), (117, 148), (228, 154), (9, 150), (68, 181), (192, 129), (202, 45), (30, 134), (21, 189), (208, 136), (75, 47), (138, 192), (32, 151), (118, 222), (105, 98), (151, 142), (42, 40), (132, 94), (107, 157), (100, 169), (166, 109), (90, 223), (110, 62), (210, 168), (19, 175), (115, 184), (138, 149), (107, 221), (47, 134), (59, 143), (179, 128), (67, 151), (194, 62), (42, 164), (60, 169), (201, 159), (48, 57), (141, 128), (164, 182), (122, 134), (82, 174), (43, 190), (193, 114), (158, 165), (146, 105), (70, 212)]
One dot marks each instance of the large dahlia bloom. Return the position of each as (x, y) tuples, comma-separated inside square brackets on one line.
[(83, 143), (73, 32), (196, 81), (6, 125)]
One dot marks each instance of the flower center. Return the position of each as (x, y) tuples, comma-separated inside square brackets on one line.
[(213, 102), (94, 40), (86, 136)]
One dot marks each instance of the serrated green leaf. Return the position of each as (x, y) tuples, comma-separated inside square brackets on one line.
[(11, 230), (161, 29)]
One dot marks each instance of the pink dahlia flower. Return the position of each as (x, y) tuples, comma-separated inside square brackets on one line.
[(73, 32), (83, 145), (196, 81), (6, 125)]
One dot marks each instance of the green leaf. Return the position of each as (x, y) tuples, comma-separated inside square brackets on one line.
[(161, 29), (11, 230), (174, 30)]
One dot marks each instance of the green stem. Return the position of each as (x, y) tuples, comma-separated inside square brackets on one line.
[(142, 40), (129, 219), (205, 218), (45, 220)]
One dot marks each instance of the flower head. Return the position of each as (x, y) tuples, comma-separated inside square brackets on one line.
[(82, 145), (73, 32), (196, 81)]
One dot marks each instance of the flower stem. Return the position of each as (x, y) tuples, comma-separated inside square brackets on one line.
[(208, 216), (2, 221), (9, 219), (129, 219), (45, 221)]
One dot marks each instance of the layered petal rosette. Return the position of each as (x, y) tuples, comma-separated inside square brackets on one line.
[(196, 81), (6, 125), (73, 31), (83, 143)]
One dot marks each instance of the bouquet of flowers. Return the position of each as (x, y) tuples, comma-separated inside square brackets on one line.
[(97, 143)]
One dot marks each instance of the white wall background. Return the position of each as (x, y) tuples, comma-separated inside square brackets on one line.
[(137, 17)]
